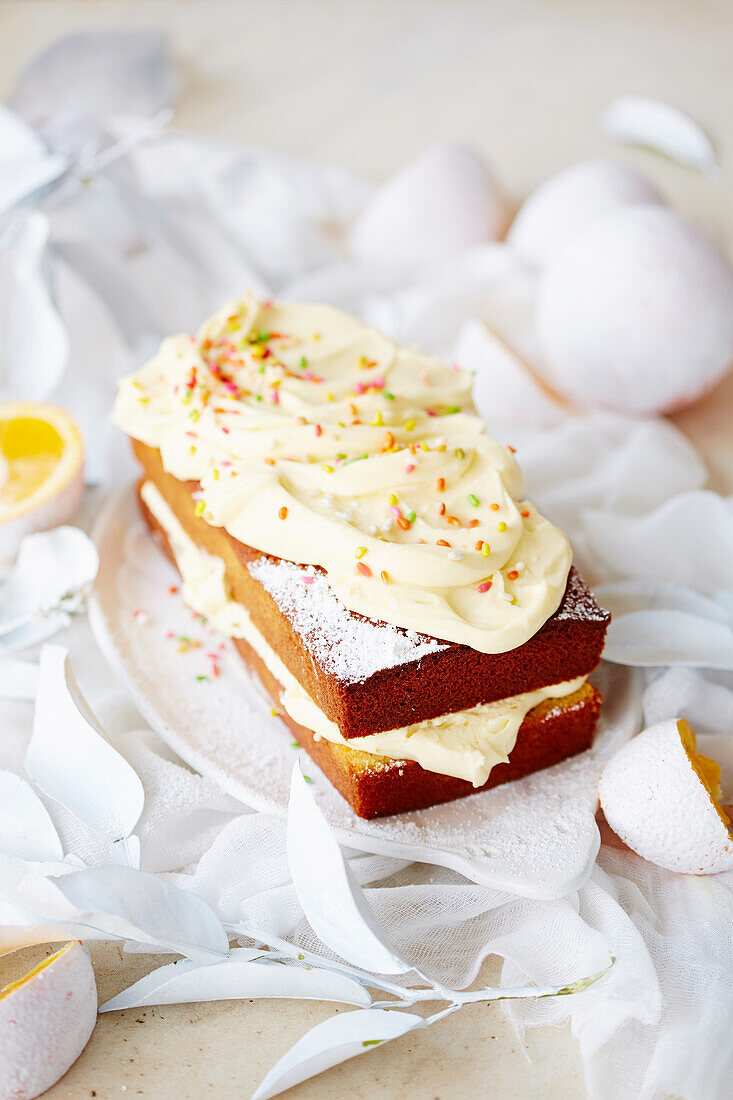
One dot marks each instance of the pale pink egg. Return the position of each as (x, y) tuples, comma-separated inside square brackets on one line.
[(569, 201), (46, 1019), (442, 202), (636, 313), (661, 798)]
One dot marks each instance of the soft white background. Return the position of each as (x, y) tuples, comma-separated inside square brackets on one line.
[(368, 85)]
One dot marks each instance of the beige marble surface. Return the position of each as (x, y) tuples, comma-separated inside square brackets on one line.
[(368, 84)]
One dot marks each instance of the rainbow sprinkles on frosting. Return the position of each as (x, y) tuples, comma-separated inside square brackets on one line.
[(296, 438)]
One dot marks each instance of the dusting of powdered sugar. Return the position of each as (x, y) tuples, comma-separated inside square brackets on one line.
[(579, 602), (346, 645)]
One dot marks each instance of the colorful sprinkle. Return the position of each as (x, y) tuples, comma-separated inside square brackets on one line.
[(200, 508), (512, 575), (440, 484), (384, 576), (403, 523), (362, 569), (409, 425), (441, 542), (484, 586), (409, 468), (473, 499), (360, 551), (501, 526), (283, 513)]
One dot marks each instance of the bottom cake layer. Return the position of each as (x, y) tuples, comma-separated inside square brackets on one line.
[(376, 786)]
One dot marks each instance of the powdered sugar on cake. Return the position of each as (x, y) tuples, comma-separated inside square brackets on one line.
[(579, 603), (349, 647)]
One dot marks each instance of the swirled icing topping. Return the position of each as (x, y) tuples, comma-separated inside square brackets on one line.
[(316, 439)]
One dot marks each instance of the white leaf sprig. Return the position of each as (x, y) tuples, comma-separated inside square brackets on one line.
[(332, 900), (45, 903), (50, 580), (26, 830), (27, 166), (656, 125), (243, 974), (333, 1041), (70, 759), (346, 1036)]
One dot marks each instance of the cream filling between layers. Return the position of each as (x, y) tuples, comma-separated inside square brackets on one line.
[(466, 744), (318, 440)]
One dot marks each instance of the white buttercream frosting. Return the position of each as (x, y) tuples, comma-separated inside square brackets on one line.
[(466, 744), (320, 441)]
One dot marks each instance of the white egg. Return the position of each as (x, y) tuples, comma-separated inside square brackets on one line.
[(46, 1019), (442, 202), (636, 313), (570, 201), (660, 797)]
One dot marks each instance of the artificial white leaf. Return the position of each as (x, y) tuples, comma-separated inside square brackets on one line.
[(69, 758), (54, 572), (336, 1040), (126, 851), (662, 637), (26, 830), (35, 346), (332, 901), (23, 179), (110, 902), (18, 679), (18, 140), (656, 125), (623, 597), (25, 164), (505, 389), (33, 633), (99, 72), (236, 977)]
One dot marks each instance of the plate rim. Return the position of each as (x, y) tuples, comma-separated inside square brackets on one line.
[(475, 870)]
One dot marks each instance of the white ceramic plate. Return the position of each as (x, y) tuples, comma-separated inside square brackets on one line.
[(536, 837)]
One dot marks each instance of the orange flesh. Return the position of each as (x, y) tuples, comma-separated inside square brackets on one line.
[(706, 770), (12, 986)]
